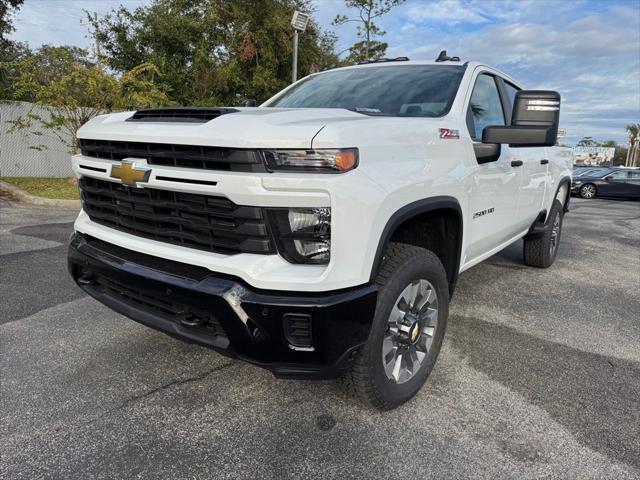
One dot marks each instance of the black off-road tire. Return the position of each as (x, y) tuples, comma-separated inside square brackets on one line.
[(402, 265), (539, 251)]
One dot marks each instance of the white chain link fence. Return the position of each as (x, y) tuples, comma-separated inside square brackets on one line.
[(32, 152)]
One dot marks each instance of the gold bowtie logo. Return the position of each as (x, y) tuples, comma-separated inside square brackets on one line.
[(129, 173)]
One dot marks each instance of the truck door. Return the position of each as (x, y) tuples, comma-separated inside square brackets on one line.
[(535, 167), (493, 201)]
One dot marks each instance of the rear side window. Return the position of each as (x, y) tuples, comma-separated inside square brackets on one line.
[(621, 175), (634, 175), (485, 107)]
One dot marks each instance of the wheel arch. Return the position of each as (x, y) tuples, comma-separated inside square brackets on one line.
[(425, 210), (566, 183)]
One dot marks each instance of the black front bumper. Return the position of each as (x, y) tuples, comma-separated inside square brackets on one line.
[(293, 334)]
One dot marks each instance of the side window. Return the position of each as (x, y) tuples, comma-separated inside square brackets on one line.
[(619, 175), (485, 108), (511, 93), (634, 175)]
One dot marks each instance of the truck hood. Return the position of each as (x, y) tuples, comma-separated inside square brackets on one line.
[(247, 128)]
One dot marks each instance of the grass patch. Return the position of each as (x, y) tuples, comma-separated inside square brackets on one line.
[(57, 188)]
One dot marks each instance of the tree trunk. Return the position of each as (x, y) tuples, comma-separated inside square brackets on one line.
[(367, 29)]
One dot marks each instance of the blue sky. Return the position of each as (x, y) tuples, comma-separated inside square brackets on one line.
[(588, 50)]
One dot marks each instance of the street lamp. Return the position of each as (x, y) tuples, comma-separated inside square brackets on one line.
[(299, 24)]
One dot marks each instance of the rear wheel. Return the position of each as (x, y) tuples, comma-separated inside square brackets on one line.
[(588, 190), (407, 331), (541, 251)]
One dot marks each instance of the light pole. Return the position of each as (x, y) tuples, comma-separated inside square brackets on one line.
[(299, 24)]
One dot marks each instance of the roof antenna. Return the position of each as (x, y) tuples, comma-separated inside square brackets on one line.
[(444, 58)]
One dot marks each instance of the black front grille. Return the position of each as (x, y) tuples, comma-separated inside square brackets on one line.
[(179, 114), (172, 155), (191, 220), (187, 317)]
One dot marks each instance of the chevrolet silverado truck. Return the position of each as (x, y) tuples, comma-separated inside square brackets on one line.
[(320, 234)]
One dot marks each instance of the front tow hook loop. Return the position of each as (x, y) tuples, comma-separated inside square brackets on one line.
[(193, 321), (86, 280)]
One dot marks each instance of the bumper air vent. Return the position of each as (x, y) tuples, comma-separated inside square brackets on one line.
[(297, 331)]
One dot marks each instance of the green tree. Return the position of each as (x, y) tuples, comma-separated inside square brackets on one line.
[(213, 52), (9, 49), (366, 29), (71, 90), (7, 9), (586, 142)]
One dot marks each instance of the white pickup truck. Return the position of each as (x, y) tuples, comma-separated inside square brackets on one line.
[(321, 234)]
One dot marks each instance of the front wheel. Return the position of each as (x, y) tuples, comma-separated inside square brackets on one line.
[(408, 328), (541, 251)]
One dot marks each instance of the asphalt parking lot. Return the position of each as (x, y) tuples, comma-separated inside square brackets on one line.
[(539, 376)]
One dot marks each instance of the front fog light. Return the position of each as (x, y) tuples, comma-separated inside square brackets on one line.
[(303, 235)]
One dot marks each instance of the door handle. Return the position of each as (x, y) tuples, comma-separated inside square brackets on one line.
[(544, 161), (516, 163)]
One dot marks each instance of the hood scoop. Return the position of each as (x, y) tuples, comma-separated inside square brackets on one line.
[(180, 114)]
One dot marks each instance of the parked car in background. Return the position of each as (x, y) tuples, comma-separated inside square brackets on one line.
[(614, 182)]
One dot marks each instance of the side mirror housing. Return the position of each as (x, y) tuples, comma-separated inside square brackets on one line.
[(249, 102), (486, 152), (534, 122)]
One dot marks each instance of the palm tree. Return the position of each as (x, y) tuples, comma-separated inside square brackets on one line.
[(633, 130)]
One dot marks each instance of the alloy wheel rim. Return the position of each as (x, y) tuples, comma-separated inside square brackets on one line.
[(588, 191), (555, 233), (410, 331)]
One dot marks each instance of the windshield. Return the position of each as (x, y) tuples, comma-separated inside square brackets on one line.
[(596, 172), (407, 91)]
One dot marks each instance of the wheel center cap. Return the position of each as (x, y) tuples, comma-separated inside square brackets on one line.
[(409, 330), (414, 332)]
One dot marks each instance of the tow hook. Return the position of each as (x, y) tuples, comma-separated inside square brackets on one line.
[(86, 279)]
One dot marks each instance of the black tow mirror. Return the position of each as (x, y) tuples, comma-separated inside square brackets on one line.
[(534, 122)]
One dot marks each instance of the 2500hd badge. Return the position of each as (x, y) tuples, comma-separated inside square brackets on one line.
[(322, 233)]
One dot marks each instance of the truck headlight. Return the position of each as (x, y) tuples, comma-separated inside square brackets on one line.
[(319, 161), (303, 235)]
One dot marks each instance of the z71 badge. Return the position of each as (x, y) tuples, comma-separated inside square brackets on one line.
[(450, 133)]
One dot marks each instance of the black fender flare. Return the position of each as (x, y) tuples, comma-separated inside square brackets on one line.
[(414, 209)]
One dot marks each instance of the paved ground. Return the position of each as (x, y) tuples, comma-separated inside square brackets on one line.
[(539, 376)]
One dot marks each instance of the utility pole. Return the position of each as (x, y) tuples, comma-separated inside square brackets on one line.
[(299, 24), (294, 68)]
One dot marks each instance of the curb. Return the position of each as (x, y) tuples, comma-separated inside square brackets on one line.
[(19, 195)]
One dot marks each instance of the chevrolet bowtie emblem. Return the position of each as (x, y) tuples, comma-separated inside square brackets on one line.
[(129, 173)]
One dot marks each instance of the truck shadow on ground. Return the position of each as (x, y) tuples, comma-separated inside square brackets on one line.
[(596, 398)]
